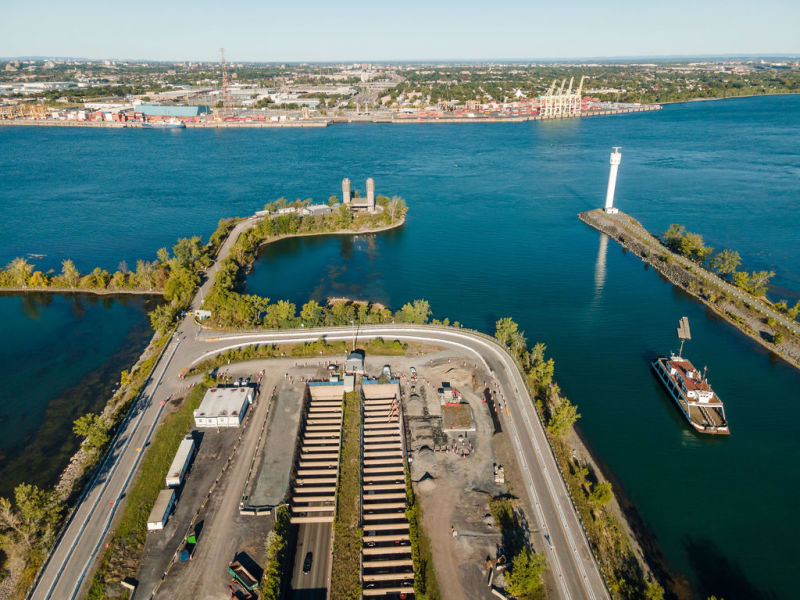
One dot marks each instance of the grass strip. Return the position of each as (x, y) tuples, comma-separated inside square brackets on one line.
[(318, 348), (347, 535)]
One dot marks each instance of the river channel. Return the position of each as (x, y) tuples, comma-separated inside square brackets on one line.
[(493, 232)]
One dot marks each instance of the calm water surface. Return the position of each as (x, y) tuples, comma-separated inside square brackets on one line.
[(493, 232), (61, 356)]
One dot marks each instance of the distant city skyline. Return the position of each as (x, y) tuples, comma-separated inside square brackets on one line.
[(356, 30)]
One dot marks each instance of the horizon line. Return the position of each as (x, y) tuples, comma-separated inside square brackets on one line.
[(401, 61)]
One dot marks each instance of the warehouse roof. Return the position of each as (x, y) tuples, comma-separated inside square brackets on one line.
[(223, 401), (172, 110)]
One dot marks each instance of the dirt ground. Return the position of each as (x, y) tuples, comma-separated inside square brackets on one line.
[(453, 490)]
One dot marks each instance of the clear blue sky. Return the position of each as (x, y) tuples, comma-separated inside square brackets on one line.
[(349, 30)]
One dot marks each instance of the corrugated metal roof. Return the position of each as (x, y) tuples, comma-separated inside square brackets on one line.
[(172, 111)]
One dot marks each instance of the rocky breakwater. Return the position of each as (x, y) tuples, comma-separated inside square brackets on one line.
[(754, 316)]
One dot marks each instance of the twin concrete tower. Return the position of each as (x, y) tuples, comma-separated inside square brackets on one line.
[(616, 157), (359, 204)]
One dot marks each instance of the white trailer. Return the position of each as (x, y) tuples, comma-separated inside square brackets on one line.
[(161, 509), (180, 463)]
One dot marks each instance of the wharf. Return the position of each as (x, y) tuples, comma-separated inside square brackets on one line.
[(748, 313)]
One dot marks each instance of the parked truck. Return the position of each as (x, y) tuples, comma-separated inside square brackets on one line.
[(242, 575), (180, 463)]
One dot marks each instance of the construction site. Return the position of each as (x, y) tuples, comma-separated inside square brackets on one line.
[(429, 434)]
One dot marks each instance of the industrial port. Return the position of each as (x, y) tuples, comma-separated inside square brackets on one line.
[(301, 98)]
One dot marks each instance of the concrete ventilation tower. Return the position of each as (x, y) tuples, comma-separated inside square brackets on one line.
[(371, 194), (346, 191), (616, 157)]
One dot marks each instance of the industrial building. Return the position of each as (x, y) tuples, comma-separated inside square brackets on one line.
[(157, 110), (223, 407)]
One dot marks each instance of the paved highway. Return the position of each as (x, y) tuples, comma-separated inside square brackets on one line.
[(314, 538), (67, 568)]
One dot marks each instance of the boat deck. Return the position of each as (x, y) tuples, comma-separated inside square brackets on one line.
[(705, 416)]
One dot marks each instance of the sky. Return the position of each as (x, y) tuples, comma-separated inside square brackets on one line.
[(360, 30)]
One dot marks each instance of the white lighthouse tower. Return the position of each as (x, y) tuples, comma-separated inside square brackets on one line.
[(616, 157)]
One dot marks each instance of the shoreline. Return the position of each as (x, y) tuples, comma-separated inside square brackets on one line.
[(729, 98), (643, 541), (17, 291), (747, 319), (328, 122)]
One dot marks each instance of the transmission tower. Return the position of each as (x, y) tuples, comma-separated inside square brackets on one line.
[(227, 101)]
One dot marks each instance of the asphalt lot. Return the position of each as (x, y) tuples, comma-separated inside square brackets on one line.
[(213, 449), (270, 484), (225, 534)]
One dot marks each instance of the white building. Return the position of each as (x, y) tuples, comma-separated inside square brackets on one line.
[(223, 407)]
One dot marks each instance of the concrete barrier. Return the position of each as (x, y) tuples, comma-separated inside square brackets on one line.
[(386, 551), (386, 496), (388, 590), (398, 468), (299, 498), (316, 489), (393, 537), (402, 562), (401, 526), (305, 472), (307, 509), (378, 505), (390, 516), (317, 519), (316, 481), (403, 576)]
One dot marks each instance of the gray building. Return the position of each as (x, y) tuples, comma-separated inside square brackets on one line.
[(355, 362)]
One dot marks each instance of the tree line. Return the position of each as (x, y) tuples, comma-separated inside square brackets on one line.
[(169, 273), (231, 308), (724, 263)]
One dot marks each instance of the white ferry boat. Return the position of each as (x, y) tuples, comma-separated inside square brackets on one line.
[(690, 389)]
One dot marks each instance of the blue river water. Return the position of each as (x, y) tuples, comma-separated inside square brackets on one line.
[(492, 232)]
